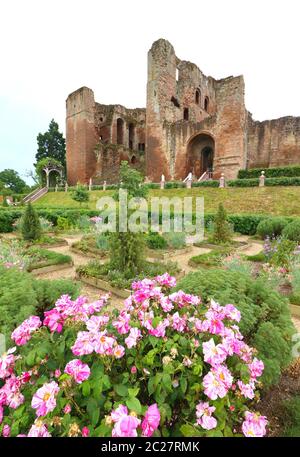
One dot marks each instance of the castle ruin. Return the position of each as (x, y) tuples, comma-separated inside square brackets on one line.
[(191, 123)]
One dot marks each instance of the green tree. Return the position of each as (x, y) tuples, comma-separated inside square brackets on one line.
[(80, 194), (11, 180), (127, 248), (30, 226), (51, 144), (221, 230), (132, 181)]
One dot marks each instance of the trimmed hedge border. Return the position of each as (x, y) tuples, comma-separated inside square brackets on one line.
[(245, 181), (269, 182), (290, 171), (245, 224)]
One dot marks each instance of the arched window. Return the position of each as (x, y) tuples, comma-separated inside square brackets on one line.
[(206, 103), (186, 114), (198, 97), (130, 136), (120, 125), (175, 102), (133, 160)]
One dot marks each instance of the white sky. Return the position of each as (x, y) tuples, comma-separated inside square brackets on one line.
[(51, 48)]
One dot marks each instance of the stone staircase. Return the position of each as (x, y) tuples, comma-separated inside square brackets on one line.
[(35, 195)]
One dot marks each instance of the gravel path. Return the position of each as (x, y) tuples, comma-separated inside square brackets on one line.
[(183, 259), (252, 249), (296, 322)]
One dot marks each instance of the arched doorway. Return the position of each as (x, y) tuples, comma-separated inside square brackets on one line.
[(200, 154)]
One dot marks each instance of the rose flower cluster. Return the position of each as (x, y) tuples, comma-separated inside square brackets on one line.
[(165, 364)]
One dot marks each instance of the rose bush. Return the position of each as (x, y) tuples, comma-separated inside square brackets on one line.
[(163, 365)]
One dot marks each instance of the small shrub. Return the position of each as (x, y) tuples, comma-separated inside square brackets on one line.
[(283, 253), (221, 228), (291, 416), (63, 223), (31, 227), (80, 194), (46, 225), (294, 298), (155, 241), (102, 241), (260, 257), (271, 227), (175, 240), (84, 223), (291, 231)]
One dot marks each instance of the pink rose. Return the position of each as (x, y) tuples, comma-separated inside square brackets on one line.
[(151, 420), (78, 370)]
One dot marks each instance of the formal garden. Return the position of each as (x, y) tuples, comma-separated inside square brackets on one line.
[(153, 333)]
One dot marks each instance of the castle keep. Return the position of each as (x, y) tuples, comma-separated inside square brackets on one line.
[(191, 123)]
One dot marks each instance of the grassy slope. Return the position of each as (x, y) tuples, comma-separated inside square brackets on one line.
[(268, 200)]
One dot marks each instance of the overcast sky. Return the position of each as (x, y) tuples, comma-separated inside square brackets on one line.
[(50, 48)]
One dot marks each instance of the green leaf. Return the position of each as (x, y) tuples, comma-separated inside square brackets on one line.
[(134, 405), (156, 321), (183, 384), (31, 358), (151, 385), (97, 388), (86, 388), (93, 410), (189, 430), (95, 416), (215, 434), (197, 369), (103, 430), (19, 411), (121, 390), (106, 382), (153, 340), (167, 382), (228, 432), (133, 392)]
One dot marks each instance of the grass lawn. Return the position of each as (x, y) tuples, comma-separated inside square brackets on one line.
[(268, 200)]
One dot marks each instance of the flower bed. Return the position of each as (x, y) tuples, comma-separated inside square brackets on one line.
[(95, 270), (49, 241), (43, 258), (103, 285), (164, 255), (165, 365), (210, 259), (88, 246)]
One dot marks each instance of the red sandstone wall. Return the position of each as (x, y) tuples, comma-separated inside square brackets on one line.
[(226, 128), (81, 136), (274, 143), (168, 134)]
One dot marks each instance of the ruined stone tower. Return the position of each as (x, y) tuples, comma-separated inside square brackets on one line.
[(192, 123)]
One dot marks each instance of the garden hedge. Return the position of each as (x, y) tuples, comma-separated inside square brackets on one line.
[(290, 171), (245, 224), (241, 182), (21, 295), (269, 182)]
